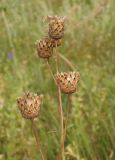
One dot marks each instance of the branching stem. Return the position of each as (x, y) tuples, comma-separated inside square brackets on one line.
[(60, 106), (50, 70), (60, 112)]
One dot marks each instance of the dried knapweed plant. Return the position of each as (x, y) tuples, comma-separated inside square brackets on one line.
[(66, 82), (29, 105)]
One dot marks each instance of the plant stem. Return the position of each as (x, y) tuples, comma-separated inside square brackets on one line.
[(60, 107), (50, 70), (60, 112), (66, 61), (61, 124), (67, 115), (57, 56), (36, 138)]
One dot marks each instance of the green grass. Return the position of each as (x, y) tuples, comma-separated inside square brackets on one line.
[(89, 44)]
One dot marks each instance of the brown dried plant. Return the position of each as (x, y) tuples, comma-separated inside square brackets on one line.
[(65, 82), (29, 105)]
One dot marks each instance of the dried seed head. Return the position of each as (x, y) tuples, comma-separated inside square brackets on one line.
[(56, 27), (45, 48), (68, 81), (29, 105)]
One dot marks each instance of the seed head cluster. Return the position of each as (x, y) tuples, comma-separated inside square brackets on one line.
[(30, 103), (56, 26), (53, 37)]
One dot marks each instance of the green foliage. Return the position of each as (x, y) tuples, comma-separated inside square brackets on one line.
[(89, 44)]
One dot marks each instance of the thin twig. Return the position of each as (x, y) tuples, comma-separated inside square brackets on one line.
[(50, 70), (60, 111), (60, 105), (66, 61), (57, 56), (67, 115), (37, 138), (61, 123)]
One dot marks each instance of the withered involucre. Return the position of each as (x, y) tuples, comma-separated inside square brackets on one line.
[(29, 105), (68, 82), (56, 27), (45, 48)]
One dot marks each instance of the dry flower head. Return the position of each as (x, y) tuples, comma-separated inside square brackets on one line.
[(29, 105), (68, 81), (56, 26), (45, 48)]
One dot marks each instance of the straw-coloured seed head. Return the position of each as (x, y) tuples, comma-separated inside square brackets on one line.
[(45, 48), (56, 27), (68, 81), (29, 105)]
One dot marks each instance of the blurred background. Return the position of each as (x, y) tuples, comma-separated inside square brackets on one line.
[(88, 46)]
